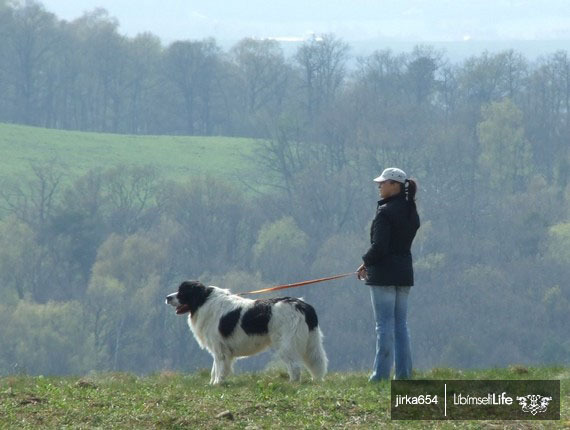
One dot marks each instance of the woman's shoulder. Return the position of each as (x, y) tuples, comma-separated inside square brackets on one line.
[(394, 208), (393, 203), (386, 213)]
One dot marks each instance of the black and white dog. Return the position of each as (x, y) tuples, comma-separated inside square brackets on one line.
[(230, 326)]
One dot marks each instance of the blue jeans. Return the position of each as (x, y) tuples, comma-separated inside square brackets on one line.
[(390, 305)]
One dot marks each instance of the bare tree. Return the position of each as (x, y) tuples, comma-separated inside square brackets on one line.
[(322, 61), (33, 200), (262, 73), (190, 67), (129, 192), (30, 38), (143, 65), (103, 78)]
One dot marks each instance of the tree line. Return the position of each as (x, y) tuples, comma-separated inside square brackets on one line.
[(85, 266), (84, 75)]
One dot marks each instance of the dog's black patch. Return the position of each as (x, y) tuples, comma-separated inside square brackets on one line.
[(256, 319), (228, 322), (306, 309), (309, 312), (193, 294)]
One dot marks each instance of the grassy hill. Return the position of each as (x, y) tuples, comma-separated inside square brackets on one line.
[(176, 157), (255, 401)]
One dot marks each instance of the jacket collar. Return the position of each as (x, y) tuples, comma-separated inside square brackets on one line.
[(389, 199)]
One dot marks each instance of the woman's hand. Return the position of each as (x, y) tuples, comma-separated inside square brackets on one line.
[(361, 273)]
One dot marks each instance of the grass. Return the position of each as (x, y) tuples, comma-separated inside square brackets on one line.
[(175, 157), (246, 401)]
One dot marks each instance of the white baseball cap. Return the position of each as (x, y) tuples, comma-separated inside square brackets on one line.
[(392, 174)]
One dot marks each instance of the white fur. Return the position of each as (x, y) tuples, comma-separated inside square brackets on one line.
[(287, 333)]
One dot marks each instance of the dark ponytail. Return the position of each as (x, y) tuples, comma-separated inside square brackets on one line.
[(410, 188)]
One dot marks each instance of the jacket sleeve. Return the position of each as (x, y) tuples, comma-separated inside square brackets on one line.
[(379, 240)]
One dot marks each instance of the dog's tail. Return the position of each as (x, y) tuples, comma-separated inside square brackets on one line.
[(315, 357)]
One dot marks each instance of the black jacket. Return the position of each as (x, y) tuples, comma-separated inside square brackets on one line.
[(389, 259)]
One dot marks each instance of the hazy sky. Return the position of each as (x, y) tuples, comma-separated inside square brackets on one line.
[(352, 20)]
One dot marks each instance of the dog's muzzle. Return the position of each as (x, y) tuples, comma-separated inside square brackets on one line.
[(171, 300)]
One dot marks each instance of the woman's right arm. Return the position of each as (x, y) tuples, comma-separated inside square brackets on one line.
[(379, 241)]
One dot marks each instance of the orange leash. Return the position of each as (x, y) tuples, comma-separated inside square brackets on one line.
[(297, 284)]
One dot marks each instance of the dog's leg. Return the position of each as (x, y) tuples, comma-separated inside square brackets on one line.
[(223, 367), (291, 358), (314, 357), (294, 371), (213, 372), (217, 369), (226, 368)]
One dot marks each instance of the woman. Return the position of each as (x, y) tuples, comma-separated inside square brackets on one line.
[(387, 268)]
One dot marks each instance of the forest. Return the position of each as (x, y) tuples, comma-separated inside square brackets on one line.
[(85, 265)]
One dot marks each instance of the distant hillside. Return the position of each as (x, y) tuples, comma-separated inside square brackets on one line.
[(175, 157)]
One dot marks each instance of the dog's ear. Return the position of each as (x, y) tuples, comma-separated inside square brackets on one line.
[(188, 286), (194, 294)]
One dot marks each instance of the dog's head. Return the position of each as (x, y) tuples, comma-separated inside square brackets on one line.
[(190, 296)]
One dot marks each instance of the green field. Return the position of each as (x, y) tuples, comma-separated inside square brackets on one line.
[(175, 157), (264, 400)]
